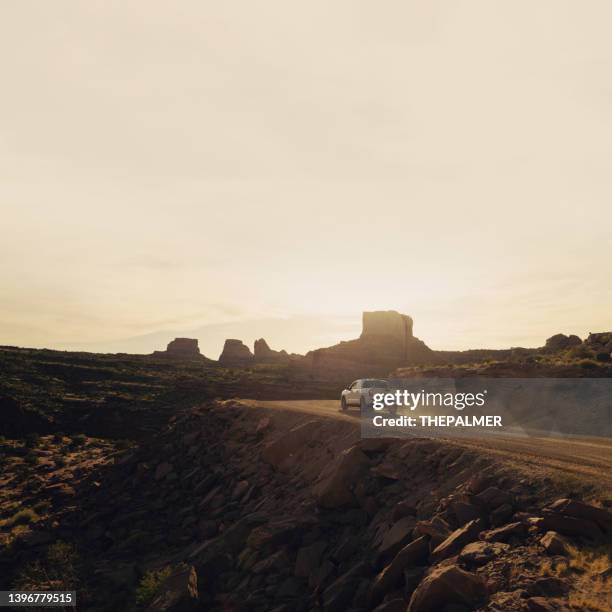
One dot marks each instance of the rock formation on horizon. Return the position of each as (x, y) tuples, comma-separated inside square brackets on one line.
[(386, 341), (236, 354), (601, 341), (182, 348), (263, 353), (560, 342)]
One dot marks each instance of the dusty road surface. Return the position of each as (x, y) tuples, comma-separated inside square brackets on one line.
[(589, 459)]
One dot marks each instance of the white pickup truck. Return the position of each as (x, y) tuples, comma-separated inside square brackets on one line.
[(361, 393)]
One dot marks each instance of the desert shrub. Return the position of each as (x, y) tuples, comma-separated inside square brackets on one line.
[(605, 357), (79, 439), (32, 440), (59, 568), (579, 352), (26, 516), (150, 584)]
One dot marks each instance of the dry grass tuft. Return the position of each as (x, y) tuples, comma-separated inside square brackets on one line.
[(591, 574)]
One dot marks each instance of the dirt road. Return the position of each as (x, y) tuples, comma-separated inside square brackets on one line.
[(589, 459)]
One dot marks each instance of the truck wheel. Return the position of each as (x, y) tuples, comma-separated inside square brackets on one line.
[(343, 405)]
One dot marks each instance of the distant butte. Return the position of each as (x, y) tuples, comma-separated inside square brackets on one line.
[(181, 348)]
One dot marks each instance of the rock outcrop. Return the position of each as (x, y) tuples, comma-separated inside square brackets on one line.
[(236, 354), (386, 323), (560, 342), (181, 348), (601, 345), (289, 512), (264, 354), (386, 342)]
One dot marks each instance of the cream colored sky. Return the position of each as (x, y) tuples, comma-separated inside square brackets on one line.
[(221, 167)]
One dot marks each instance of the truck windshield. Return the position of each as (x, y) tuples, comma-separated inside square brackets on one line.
[(371, 384)]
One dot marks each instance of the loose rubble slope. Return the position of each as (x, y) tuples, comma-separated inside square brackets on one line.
[(238, 508)]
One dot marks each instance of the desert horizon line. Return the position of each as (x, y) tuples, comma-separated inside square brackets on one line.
[(253, 338)]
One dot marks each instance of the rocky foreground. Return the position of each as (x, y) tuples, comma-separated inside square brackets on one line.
[(237, 508)]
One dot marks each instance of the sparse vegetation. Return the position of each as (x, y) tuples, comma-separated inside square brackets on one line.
[(26, 516), (78, 440), (58, 570), (593, 587), (150, 584)]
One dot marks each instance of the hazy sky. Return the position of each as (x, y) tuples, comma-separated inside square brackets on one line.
[(208, 167)]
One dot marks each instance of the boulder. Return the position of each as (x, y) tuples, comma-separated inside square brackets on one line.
[(339, 594), (436, 531), (335, 489), (571, 526), (412, 578), (273, 563), (236, 354), (402, 509), (457, 540), (278, 451), (413, 553), (479, 553), (445, 586), (179, 592), (282, 532), (464, 511), (501, 515), (549, 586), (504, 533), (308, 559), (492, 498), (555, 544), (396, 537), (480, 481), (541, 604), (580, 510), (393, 605)]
